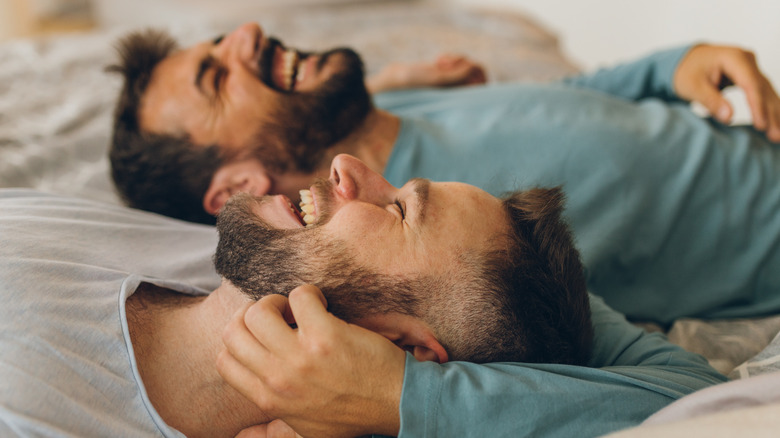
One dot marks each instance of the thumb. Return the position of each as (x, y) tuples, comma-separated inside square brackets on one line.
[(712, 99)]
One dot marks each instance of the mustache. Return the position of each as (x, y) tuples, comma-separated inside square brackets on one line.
[(323, 190)]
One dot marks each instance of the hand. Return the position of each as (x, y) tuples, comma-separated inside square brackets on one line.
[(447, 70), (274, 429), (706, 70), (325, 378)]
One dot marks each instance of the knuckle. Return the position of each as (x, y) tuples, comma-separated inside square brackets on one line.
[(265, 403), (222, 361), (321, 346), (229, 335), (280, 383)]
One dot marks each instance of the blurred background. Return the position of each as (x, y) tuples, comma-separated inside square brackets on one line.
[(592, 33)]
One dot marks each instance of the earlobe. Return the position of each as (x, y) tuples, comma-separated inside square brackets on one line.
[(433, 353), (408, 333), (239, 176), (215, 198)]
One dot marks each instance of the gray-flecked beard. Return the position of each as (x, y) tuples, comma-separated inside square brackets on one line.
[(260, 260)]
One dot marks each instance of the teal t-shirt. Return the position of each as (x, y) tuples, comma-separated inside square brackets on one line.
[(631, 375), (674, 215)]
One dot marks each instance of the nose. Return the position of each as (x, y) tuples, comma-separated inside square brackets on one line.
[(353, 180), (242, 44)]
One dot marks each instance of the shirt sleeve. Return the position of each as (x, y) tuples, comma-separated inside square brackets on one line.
[(632, 374), (651, 76)]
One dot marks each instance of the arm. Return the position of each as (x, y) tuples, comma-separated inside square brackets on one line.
[(633, 375), (354, 380), (651, 76), (446, 71), (706, 70), (697, 73)]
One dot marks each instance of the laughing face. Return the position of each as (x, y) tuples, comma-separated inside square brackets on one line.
[(360, 228), (251, 96)]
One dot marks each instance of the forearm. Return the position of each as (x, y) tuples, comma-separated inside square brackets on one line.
[(462, 399), (651, 76), (632, 374)]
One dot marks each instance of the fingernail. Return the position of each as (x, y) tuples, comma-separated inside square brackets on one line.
[(723, 114)]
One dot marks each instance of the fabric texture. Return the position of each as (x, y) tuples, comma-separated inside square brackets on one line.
[(631, 375), (674, 215), (67, 266)]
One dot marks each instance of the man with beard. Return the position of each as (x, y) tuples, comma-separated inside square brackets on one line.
[(309, 103), (96, 343), (661, 201)]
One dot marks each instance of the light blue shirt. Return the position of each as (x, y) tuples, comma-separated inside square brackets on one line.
[(674, 215), (67, 366)]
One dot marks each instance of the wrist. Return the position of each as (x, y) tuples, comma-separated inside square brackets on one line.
[(388, 415)]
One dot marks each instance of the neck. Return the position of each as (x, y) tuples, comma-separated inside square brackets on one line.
[(176, 339), (372, 142)]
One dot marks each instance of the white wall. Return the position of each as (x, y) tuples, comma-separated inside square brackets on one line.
[(601, 32)]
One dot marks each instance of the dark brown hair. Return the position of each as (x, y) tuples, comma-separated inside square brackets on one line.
[(159, 173), (525, 300)]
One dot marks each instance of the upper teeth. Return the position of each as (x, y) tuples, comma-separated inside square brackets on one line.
[(307, 207), (290, 62)]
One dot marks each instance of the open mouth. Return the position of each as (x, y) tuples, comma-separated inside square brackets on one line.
[(281, 67), (304, 214), (308, 213)]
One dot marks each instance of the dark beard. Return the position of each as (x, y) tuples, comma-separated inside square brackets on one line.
[(255, 257), (261, 260), (309, 123)]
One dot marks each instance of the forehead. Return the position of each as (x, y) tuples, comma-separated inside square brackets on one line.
[(458, 219), (171, 102), (460, 215)]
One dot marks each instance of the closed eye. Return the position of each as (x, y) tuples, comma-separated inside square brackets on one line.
[(219, 77), (401, 209)]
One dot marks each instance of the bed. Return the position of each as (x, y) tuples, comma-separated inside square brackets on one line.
[(56, 104)]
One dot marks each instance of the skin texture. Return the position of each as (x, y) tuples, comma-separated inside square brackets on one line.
[(706, 69), (350, 376)]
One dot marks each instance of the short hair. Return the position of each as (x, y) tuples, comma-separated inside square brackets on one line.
[(525, 300), (160, 173)]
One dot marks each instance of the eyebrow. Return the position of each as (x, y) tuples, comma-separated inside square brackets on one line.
[(421, 188)]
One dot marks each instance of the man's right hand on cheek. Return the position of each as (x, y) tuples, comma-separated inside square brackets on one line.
[(325, 378)]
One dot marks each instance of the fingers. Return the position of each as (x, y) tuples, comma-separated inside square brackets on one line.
[(274, 429), (712, 99), (259, 431), (740, 68), (280, 429), (706, 69), (459, 70), (259, 336), (309, 307), (267, 321), (762, 99), (241, 378)]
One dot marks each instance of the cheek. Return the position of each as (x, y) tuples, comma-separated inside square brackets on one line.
[(375, 241)]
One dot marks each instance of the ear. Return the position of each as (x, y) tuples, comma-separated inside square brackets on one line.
[(430, 350), (237, 176), (408, 333)]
